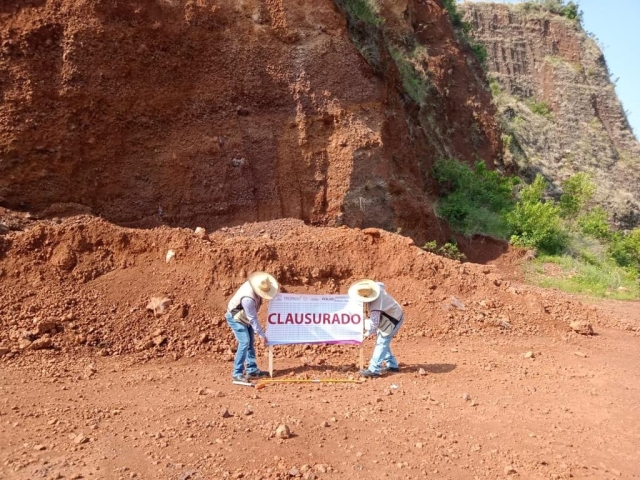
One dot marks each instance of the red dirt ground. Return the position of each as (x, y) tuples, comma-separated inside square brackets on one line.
[(147, 393)]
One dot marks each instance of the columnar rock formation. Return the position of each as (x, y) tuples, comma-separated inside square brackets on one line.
[(559, 110)]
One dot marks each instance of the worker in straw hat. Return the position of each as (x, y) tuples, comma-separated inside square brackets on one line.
[(386, 319), (242, 317)]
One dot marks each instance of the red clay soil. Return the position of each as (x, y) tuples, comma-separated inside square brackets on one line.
[(95, 386), (461, 407), (214, 113)]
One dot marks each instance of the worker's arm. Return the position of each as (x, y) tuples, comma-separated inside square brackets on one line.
[(249, 307), (375, 322)]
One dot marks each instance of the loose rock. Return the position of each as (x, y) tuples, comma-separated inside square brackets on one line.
[(581, 327), (159, 305), (283, 431), (80, 439)]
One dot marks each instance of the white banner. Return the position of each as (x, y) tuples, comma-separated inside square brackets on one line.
[(294, 319)]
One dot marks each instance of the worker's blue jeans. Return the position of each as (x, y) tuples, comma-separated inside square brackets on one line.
[(246, 352), (382, 351)]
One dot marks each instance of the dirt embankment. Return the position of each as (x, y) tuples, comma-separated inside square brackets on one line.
[(83, 286), (215, 113)]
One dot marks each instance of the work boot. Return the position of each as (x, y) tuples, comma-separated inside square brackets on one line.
[(240, 380), (369, 374), (393, 369), (258, 374)]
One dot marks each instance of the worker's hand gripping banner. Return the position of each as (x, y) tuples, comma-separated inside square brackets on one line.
[(296, 319)]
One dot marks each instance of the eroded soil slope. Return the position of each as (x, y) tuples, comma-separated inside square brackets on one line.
[(214, 113)]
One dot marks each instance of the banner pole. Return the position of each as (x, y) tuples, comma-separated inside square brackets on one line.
[(362, 343), (271, 361)]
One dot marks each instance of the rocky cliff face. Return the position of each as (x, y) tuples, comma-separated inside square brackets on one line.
[(558, 108), (218, 112)]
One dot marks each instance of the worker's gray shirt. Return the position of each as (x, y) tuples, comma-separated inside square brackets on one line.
[(251, 311)]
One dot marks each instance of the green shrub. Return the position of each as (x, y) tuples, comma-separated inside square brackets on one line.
[(536, 223), (577, 191), (367, 11), (449, 250), (480, 51), (595, 223), (454, 14), (625, 249), (539, 108), (495, 87), (474, 200), (570, 9)]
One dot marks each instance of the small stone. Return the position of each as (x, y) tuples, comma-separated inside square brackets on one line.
[(581, 327), (466, 397), (325, 424), (457, 303), (80, 439), (204, 338), (187, 475), (41, 344), (529, 355), (46, 327), (39, 447), (320, 468), (248, 411), (159, 305), (509, 470), (294, 472), (419, 445), (422, 371), (224, 413), (170, 256), (200, 232), (159, 340), (283, 431), (309, 476), (4, 351), (580, 354)]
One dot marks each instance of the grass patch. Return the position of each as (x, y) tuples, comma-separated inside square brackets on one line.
[(567, 9), (367, 11), (539, 108), (606, 280), (414, 77)]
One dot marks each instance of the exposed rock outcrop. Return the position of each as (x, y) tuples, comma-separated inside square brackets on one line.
[(558, 107)]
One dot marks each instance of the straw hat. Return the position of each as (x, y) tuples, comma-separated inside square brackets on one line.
[(264, 285), (364, 290)]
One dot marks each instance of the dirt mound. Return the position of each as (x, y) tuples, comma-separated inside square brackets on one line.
[(83, 285)]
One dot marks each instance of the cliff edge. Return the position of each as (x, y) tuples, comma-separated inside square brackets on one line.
[(557, 105)]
